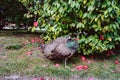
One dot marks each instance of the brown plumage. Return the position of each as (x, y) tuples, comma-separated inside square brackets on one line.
[(61, 48)]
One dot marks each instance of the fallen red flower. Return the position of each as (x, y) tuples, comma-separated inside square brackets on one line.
[(57, 65), (29, 53), (32, 41), (116, 62), (83, 58), (42, 78), (80, 67), (34, 78), (85, 67), (90, 79)]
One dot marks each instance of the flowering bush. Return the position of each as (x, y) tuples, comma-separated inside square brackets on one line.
[(96, 23)]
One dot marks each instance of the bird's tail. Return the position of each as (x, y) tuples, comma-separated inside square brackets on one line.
[(42, 46)]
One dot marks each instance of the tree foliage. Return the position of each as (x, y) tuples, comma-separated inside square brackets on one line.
[(95, 22)]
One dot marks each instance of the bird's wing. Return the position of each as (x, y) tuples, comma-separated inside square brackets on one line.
[(60, 40), (63, 50), (49, 48)]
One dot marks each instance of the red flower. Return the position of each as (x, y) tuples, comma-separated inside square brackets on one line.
[(29, 53), (90, 79), (34, 78), (85, 67), (116, 62), (42, 78), (33, 41), (101, 37), (83, 58), (37, 40), (79, 68), (57, 65), (35, 24)]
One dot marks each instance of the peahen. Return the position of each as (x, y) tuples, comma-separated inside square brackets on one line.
[(61, 48)]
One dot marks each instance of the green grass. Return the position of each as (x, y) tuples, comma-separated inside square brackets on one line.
[(16, 61)]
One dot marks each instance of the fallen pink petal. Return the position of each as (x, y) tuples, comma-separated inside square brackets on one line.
[(90, 79), (89, 62), (83, 58), (42, 78), (32, 41), (29, 53), (79, 67), (85, 67), (35, 79), (57, 65), (116, 62)]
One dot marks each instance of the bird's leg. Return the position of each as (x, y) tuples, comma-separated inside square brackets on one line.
[(65, 62)]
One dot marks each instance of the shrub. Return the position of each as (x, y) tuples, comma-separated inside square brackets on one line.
[(95, 22)]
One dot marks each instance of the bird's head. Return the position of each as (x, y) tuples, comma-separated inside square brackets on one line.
[(72, 43), (68, 37)]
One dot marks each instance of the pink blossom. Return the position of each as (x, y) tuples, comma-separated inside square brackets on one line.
[(116, 62), (57, 65), (90, 79), (35, 24), (79, 67), (29, 53), (33, 41), (83, 58), (35, 79), (89, 62), (37, 40), (85, 67), (0, 49), (42, 78)]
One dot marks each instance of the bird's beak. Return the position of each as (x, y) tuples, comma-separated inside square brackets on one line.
[(77, 39)]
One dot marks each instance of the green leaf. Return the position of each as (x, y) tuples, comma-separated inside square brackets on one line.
[(80, 13), (85, 15), (33, 29), (80, 25), (90, 8)]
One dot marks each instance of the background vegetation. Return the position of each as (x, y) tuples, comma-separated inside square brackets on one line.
[(95, 22)]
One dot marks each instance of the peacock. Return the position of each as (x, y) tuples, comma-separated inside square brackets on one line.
[(61, 48)]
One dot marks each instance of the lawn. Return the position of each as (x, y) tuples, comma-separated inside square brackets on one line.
[(20, 55)]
